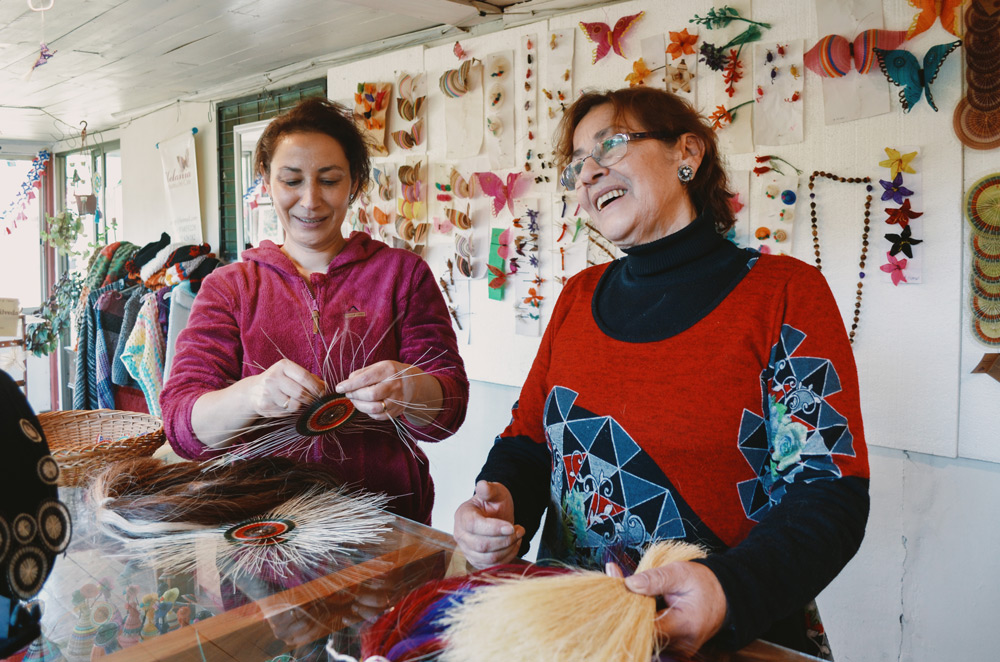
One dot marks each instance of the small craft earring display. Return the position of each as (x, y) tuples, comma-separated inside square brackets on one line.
[(371, 101), (777, 69), (409, 107), (568, 239), (500, 109), (557, 80), (527, 94), (856, 319), (772, 212), (528, 296), (464, 112), (902, 200)]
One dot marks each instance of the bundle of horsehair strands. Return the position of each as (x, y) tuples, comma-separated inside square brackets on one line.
[(315, 523), (584, 615)]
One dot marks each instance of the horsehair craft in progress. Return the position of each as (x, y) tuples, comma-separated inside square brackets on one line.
[(330, 413), (506, 613), (271, 515)]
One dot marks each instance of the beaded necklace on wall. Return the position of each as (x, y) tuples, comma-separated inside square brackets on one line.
[(864, 234)]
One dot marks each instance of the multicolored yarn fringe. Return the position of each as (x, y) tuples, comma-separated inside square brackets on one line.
[(412, 629)]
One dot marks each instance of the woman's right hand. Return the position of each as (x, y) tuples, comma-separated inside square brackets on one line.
[(283, 388), (484, 526)]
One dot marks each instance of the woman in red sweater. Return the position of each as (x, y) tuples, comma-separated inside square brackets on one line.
[(691, 390)]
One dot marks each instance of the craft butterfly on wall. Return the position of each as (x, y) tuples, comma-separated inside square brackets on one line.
[(606, 39), (903, 70), (502, 194)]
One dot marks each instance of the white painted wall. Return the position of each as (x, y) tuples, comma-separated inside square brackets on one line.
[(923, 588), (144, 198)]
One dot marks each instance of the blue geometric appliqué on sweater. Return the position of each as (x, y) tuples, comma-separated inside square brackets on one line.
[(799, 432), (609, 492)]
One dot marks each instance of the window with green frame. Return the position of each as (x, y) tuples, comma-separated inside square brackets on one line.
[(245, 110)]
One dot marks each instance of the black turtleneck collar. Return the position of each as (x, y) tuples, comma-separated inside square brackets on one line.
[(664, 287)]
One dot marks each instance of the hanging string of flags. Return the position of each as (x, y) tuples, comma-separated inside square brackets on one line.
[(33, 181)]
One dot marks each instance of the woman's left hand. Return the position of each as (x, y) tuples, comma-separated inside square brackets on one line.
[(388, 389), (696, 603)]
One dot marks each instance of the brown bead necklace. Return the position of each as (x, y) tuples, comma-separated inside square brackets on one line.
[(867, 181)]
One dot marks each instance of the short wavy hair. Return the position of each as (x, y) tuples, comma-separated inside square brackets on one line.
[(318, 115), (648, 109)]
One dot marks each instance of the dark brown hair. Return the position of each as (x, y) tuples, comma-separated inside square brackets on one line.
[(318, 115), (149, 490), (649, 109)]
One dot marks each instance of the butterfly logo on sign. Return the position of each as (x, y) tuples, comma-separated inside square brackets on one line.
[(503, 194), (903, 70), (182, 161), (606, 39)]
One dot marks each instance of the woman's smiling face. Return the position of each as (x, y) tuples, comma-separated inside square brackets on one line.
[(639, 199), (310, 186)]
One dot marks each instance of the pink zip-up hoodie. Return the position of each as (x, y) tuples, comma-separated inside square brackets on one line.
[(373, 303)]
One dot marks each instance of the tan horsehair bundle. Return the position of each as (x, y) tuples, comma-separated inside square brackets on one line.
[(584, 616)]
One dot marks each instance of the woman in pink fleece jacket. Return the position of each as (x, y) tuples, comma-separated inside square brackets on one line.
[(321, 313)]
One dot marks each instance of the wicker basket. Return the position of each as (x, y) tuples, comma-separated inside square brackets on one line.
[(72, 438)]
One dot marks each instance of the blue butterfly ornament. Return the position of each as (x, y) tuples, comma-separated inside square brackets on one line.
[(903, 70)]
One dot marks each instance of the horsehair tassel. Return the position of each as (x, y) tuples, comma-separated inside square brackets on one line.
[(585, 615)]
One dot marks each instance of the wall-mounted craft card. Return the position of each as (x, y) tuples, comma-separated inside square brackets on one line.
[(411, 95), (568, 240), (499, 83), (371, 101), (778, 83), (527, 92), (557, 80), (525, 251), (772, 213), (739, 184), (853, 86), (682, 63), (382, 212), (727, 49), (411, 220), (462, 88), (496, 277), (901, 207), (456, 292), (654, 70), (449, 191)]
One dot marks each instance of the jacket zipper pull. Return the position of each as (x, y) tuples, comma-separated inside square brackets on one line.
[(315, 315)]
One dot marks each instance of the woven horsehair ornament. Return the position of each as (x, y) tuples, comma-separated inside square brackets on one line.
[(34, 525)]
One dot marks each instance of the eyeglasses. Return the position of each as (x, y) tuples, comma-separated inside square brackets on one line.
[(606, 153)]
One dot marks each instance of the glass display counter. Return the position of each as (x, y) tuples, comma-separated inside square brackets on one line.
[(102, 603)]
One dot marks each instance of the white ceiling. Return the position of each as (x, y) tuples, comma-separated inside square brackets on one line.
[(115, 59)]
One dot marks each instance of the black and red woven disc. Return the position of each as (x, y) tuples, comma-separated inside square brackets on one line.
[(260, 532), (326, 414)]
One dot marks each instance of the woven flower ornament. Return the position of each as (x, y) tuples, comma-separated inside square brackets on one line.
[(895, 190), (639, 73), (681, 43), (897, 162)]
